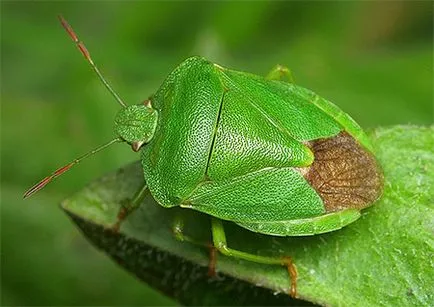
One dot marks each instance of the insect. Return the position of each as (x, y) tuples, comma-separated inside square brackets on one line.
[(264, 153)]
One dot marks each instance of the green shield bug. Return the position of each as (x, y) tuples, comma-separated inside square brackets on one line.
[(266, 154)]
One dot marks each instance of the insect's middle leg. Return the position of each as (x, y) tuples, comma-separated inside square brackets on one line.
[(178, 232), (219, 238), (129, 207)]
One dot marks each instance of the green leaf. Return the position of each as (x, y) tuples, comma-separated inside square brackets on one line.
[(384, 258)]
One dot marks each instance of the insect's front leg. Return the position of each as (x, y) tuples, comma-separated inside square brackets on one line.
[(130, 206), (280, 73), (219, 238)]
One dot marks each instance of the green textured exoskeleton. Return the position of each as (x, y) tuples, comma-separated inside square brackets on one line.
[(271, 156), (268, 155)]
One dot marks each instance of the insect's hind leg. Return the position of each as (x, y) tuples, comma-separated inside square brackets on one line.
[(130, 206), (178, 232), (219, 238), (280, 73)]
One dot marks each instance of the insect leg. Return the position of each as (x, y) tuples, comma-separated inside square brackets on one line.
[(219, 238), (280, 73), (130, 206), (178, 232)]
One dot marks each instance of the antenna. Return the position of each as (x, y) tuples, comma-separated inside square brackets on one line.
[(88, 58), (66, 167)]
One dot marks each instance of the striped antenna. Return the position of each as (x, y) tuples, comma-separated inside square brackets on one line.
[(66, 168), (88, 58)]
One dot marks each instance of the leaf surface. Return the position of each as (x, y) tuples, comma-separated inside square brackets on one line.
[(383, 259)]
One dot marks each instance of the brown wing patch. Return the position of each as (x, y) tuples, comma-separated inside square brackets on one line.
[(343, 173)]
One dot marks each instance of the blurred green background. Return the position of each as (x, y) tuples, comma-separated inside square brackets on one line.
[(373, 59)]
